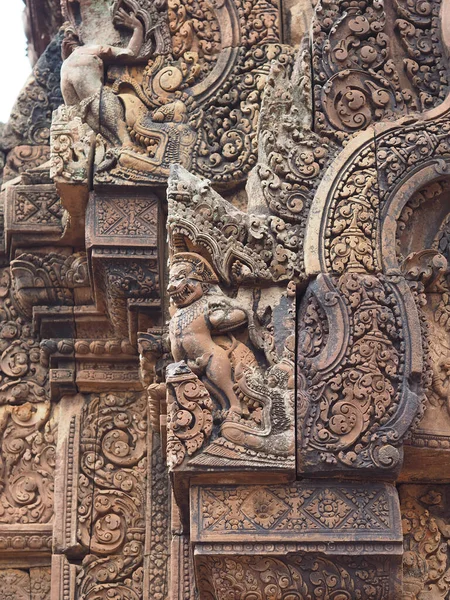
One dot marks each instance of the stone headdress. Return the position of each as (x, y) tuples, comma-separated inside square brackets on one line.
[(201, 269)]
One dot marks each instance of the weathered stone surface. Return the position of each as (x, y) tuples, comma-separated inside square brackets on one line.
[(425, 519), (224, 303), (273, 540)]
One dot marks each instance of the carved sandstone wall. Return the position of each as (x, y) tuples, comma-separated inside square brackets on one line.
[(225, 303)]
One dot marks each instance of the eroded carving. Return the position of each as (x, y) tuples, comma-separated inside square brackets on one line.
[(220, 377), (426, 532)]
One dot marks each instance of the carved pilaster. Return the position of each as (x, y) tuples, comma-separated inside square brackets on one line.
[(122, 237)]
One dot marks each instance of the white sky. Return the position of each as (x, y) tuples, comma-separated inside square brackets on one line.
[(14, 64)]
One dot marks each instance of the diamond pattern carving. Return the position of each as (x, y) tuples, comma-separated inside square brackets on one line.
[(302, 509), (328, 508), (41, 207), (264, 508), (119, 216)]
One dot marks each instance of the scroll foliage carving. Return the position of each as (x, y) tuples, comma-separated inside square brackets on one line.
[(24, 157), (425, 143), (158, 530), (299, 577), (112, 491), (23, 379), (27, 420), (190, 418), (358, 69), (28, 461), (124, 282), (351, 390)]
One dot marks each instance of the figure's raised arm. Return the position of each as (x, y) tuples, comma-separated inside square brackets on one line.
[(130, 21)]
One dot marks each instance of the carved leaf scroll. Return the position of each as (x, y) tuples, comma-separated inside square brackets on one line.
[(112, 492)]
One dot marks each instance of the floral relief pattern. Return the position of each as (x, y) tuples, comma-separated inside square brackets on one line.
[(293, 510), (347, 421), (294, 578), (112, 491)]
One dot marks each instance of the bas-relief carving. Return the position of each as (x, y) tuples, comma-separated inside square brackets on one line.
[(425, 519), (248, 248), (22, 158), (296, 540), (375, 62), (29, 123), (157, 555), (180, 107), (304, 512), (423, 250), (112, 496), (348, 426), (28, 461), (122, 234), (112, 533), (302, 576), (28, 424), (353, 385), (31, 584), (351, 229), (218, 377), (183, 83)]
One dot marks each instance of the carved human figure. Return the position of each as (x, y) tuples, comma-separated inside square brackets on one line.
[(82, 78), (201, 311), (441, 382)]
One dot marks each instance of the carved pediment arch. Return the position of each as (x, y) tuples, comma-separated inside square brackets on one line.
[(352, 235)]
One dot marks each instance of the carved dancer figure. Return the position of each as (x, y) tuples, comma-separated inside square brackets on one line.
[(203, 310), (82, 78)]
